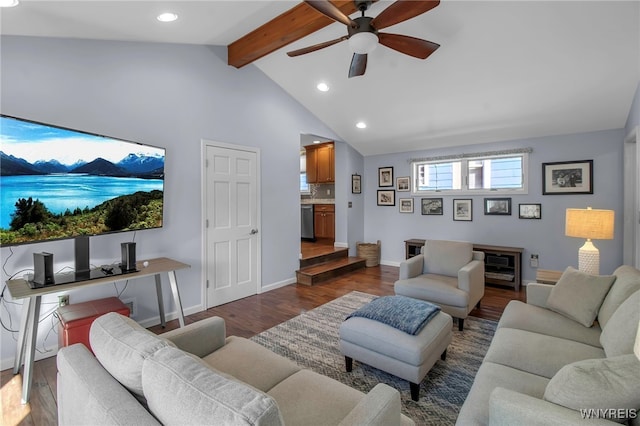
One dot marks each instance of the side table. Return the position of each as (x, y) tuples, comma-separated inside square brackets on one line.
[(547, 276)]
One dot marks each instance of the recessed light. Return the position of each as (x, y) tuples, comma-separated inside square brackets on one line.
[(361, 125), (316, 141), (8, 3), (167, 17), (323, 87)]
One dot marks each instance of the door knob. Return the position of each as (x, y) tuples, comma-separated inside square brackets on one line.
[(253, 232)]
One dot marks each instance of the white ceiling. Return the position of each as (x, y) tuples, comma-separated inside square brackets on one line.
[(505, 69)]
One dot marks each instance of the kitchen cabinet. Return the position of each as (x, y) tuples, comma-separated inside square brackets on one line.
[(320, 163), (324, 221)]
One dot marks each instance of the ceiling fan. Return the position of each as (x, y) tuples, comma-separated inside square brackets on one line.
[(363, 35)]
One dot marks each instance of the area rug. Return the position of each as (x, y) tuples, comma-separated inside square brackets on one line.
[(312, 341)]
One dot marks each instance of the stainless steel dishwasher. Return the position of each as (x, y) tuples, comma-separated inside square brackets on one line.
[(306, 220)]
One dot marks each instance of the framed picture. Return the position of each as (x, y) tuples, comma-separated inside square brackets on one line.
[(385, 176), (498, 206), (406, 205), (567, 177), (356, 182), (403, 184), (462, 209), (386, 197), (431, 206), (530, 211)]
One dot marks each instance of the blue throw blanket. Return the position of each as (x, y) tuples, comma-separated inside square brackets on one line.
[(401, 312)]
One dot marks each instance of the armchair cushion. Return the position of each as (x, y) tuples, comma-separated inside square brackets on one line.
[(597, 383), (591, 288), (446, 257)]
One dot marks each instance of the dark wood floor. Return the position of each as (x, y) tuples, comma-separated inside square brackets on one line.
[(246, 318)]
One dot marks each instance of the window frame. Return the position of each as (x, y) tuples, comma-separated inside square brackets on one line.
[(464, 175)]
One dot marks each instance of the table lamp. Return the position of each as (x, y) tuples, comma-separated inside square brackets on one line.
[(590, 224)]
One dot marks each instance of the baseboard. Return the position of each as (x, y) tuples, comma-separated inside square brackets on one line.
[(340, 245), (389, 263), (279, 284)]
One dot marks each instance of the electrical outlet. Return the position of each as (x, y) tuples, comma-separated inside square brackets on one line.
[(133, 307), (534, 261), (63, 300)]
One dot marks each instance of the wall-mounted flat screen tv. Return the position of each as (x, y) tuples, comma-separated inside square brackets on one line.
[(58, 183)]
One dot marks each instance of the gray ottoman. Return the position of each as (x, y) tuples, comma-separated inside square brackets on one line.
[(396, 352)]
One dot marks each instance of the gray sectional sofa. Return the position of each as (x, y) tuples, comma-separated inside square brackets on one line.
[(197, 375), (549, 359)]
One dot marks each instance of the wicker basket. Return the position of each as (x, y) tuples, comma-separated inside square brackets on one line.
[(370, 252)]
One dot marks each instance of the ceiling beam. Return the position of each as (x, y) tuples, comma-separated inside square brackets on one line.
[(292, 25)]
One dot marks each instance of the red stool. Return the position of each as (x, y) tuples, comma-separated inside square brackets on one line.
[(76, 319)]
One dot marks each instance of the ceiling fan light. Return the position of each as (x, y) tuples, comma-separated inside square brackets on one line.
[(363, 43)]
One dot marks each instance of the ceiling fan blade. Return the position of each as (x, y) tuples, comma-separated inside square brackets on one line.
[(411, 46), (358, 65), (329, 10), (400, 11), (315, 47)]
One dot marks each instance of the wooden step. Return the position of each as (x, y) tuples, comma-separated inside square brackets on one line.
[(315, 274), (321, 257)]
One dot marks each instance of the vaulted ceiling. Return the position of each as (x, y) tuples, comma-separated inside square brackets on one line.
[(505, 69)]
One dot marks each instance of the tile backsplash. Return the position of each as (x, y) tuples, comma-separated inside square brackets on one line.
[(322, 191)]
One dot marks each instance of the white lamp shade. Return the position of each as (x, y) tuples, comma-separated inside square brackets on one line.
[(363, 43)]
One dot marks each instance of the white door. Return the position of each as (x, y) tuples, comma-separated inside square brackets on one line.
[(232, 238)]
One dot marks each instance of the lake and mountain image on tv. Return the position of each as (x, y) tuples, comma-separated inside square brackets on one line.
[(60, 183)]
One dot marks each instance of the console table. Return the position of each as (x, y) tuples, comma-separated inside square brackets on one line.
[(28, 332), (502, 264)]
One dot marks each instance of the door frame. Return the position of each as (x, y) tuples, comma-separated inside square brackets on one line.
[(203, 203)]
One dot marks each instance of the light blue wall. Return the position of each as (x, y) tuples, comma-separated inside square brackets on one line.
[(172, 96), (544, 237)]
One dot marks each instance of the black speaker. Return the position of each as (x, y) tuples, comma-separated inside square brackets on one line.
[(128, 256), (43, 268)]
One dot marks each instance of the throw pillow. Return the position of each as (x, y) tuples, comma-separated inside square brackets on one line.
[(606, 383), (121, 345), (578, 295), (182, 390), (619, 335)]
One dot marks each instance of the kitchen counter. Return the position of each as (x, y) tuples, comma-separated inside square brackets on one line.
[(318, 201)]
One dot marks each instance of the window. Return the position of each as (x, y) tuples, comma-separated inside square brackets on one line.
[(304, 186), (472, 175)]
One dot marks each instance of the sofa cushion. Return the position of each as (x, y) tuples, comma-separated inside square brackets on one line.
[(182, 390), (524, 316), (597, 383), (121, 346), (627, 282), (245, 360), (591, 288), (475, 410), (308, 398), (537, 353), (446, 257), (619, 335)]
